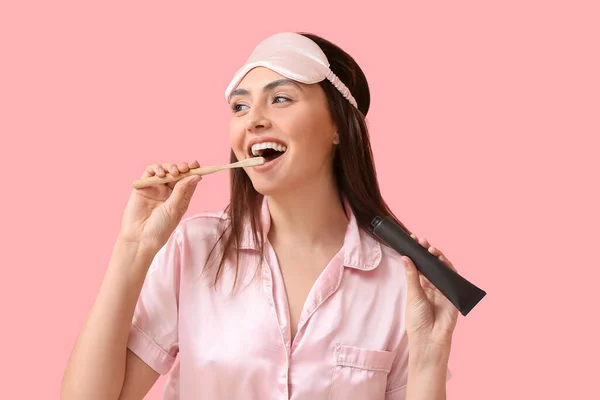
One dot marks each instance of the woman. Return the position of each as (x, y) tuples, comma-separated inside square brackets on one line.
[(286, 294)]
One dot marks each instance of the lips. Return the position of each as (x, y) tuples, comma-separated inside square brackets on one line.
[(257, 146)]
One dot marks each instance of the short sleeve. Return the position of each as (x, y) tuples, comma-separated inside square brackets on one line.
[(398, 376), (154, 330)]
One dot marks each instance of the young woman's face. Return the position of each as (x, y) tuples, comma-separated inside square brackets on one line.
[(286, 122)]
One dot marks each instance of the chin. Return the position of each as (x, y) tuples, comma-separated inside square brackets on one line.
[(267, 187)]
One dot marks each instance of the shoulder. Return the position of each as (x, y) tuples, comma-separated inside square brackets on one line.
[(379, 264), (391, 258), (378, 256)]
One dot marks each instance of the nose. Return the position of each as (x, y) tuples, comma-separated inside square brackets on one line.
[(256, 121)]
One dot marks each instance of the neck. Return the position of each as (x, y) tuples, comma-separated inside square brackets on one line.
[(310, 216)]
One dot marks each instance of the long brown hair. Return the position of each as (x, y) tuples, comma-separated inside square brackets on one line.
[(353, 165)]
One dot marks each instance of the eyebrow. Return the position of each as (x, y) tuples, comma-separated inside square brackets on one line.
[(266, 88)]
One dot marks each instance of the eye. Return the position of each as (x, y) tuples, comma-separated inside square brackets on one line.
[(282, 98), (237, 107)]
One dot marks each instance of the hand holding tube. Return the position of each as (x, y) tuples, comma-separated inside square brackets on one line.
[(462, 293)]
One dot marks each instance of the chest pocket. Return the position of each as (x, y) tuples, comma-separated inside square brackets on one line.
[(360, 373)]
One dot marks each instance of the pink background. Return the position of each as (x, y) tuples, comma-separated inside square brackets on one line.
[(485, 123)]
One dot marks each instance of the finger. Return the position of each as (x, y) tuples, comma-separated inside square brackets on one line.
[(195, 164), (447, 262), (414, 289), (180, 198), (177, 169), (438, 253), (171, 168), (423, 242), (425, 283), (160, 171), (183, 167), (167, 167), (150, 170), (434, 251)]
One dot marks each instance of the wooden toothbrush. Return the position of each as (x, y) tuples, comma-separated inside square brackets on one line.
[(156, 180)]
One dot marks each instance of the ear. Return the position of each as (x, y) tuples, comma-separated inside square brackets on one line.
[(336, 138)]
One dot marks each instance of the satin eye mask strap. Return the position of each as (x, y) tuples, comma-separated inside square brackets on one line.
[(339, 85)]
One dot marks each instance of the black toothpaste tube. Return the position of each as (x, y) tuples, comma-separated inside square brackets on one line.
[(462, 293)]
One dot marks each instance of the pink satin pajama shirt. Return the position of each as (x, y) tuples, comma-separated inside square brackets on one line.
[(351, 341)]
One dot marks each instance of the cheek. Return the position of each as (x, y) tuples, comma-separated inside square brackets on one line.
[(313, 140)]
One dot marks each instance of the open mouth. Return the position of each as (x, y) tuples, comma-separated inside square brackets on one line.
[(269, 150)]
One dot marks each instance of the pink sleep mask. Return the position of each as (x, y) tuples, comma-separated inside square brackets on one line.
[(294, 56)]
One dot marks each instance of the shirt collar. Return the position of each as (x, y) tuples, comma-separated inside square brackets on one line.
[(361, 251)]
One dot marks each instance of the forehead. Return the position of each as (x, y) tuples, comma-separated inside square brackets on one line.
[(259, 77)]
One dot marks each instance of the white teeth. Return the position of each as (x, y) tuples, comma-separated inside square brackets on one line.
[(259, 147)]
